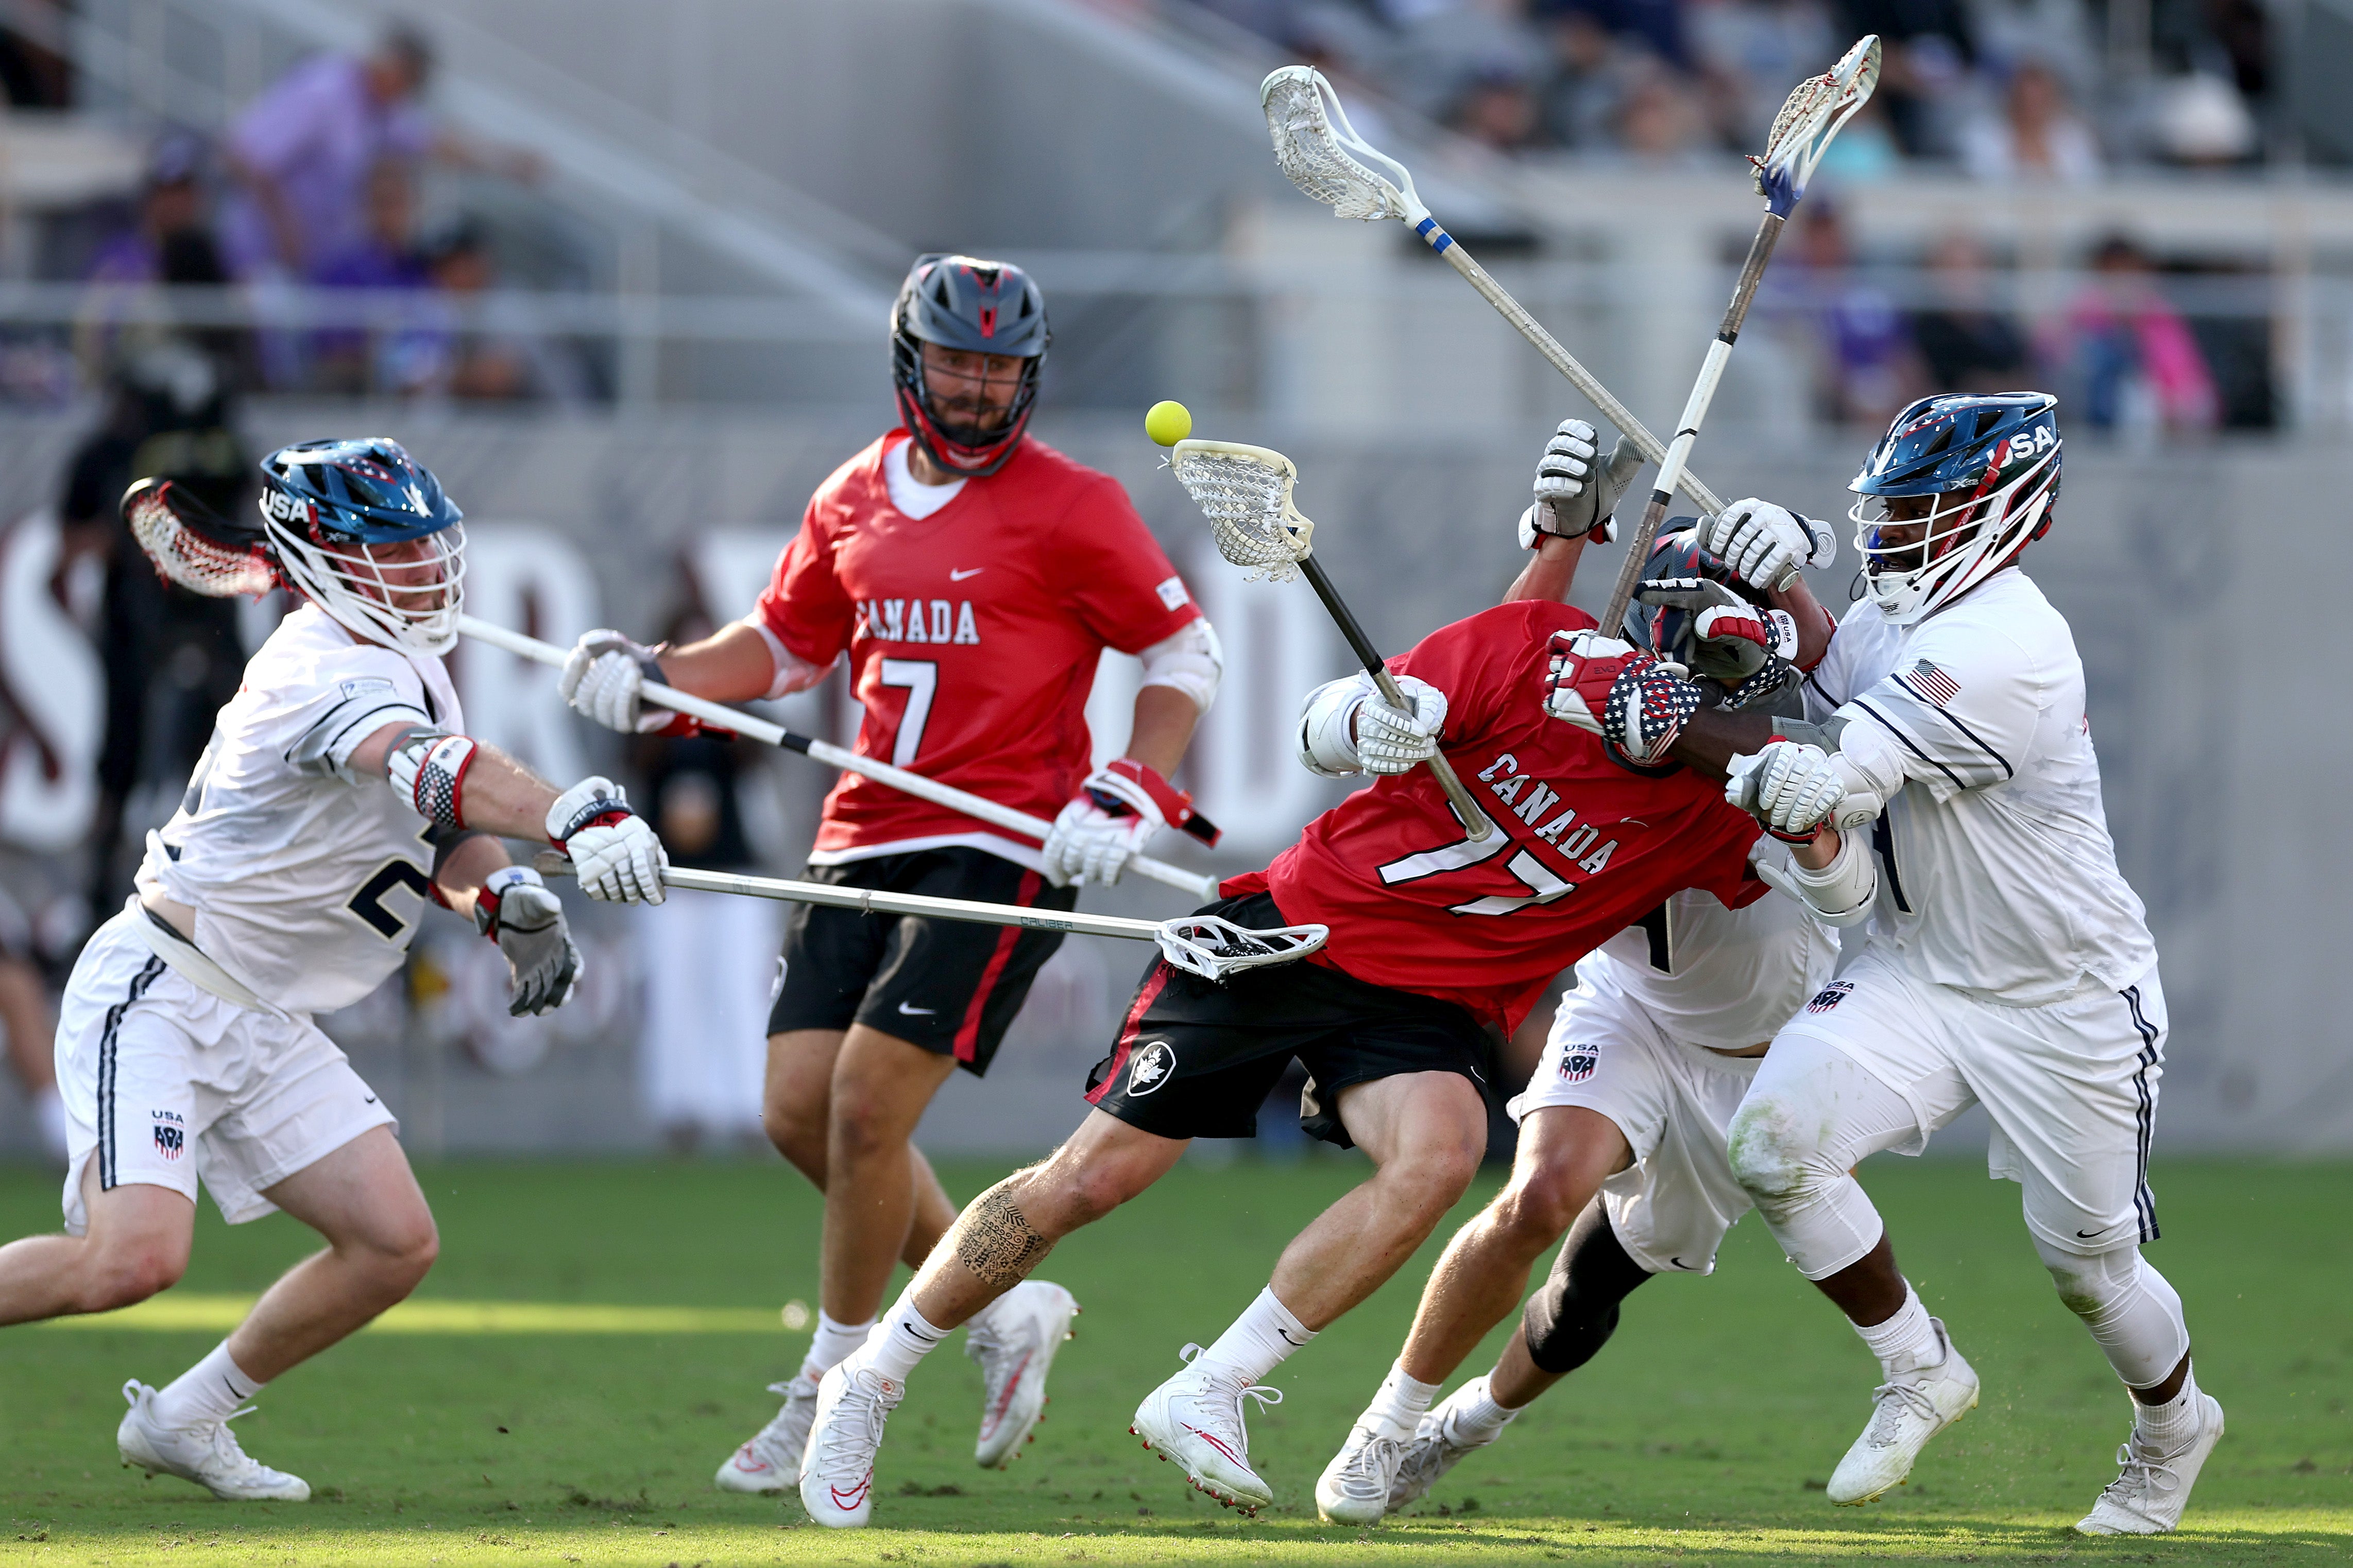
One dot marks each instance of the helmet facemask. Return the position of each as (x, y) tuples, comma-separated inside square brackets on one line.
[(952, 432), (966, 306), (388, 562), (1918, 556)]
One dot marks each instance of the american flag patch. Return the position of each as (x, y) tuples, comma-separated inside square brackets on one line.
[(1934, 684)]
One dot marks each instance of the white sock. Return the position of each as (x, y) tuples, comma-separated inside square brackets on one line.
[(50, 1111), (1399, 1404), (1906, 1341), (903, 1337), (2169, 1427), (832, 1344), (1482, 1414), (1259, 1339), (207, 1391)]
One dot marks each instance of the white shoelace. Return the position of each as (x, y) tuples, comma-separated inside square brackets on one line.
[(2140, 1477), (1893, 1399), (874, 1399), (1368, 1473), (1227, 1419), (227, 1451)]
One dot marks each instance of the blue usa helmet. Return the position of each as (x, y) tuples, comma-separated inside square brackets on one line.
[(1991, 463), (979, 307), (340, 515)]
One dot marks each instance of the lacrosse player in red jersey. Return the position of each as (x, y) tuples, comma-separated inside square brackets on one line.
[(973, 576), (1440, 943), (337, 795)]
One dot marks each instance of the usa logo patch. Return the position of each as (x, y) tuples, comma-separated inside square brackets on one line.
[(1830, 996), (1578, 1062), (171, 1138)]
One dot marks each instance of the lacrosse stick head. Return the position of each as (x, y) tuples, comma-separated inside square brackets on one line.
[(1320, 153), (1245, 492), (195, 547), (1813, 114), (1213, 948)]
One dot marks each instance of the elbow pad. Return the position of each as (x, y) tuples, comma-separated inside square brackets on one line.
[(1326, 746), (794, 673), (1840, 892), (1192, 662), (427, 768)]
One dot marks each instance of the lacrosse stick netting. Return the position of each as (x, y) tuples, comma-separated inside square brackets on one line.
[(1245, 492), (1811, 116), (219, 562)]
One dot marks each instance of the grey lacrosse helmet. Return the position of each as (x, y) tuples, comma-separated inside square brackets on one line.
[(979, 307)]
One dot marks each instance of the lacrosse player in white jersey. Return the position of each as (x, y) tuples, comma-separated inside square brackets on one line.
[(1622, 1124), (2008, 963), (338, 796)]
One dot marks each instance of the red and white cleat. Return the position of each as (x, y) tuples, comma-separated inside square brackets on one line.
[(1015, 1346), (1196, 1419), (836, 1482), (771, 1462)]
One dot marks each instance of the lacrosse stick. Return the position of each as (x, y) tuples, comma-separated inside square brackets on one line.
[(194, 546), (1201, 887), (1245, 492), (1206, 945), (1325, 157), (1802, 134)]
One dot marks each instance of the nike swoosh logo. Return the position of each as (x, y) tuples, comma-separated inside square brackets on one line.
[(2087, 1235), (1286, 1337), (370, 1100), (955, 576), (917, 1011)]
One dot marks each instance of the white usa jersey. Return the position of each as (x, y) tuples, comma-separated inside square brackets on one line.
[(1724, 979), (1996, 875), (307, 880)]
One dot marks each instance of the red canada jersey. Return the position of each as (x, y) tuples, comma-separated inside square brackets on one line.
[(973, 636), (1583, 846)]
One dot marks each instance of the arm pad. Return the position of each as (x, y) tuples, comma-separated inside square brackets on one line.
[(1192, 662), (1327, 746), (1841, 891), (426, 767), (794, 673)]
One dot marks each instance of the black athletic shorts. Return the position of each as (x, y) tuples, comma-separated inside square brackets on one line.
[(1196, 1059), (950, 986)]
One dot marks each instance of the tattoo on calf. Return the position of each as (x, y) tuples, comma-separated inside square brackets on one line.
[(994, 1239)]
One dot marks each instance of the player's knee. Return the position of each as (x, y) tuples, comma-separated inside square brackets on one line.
[(128, 1272), (1540, 1205), (2092, 1286), (1770, 1158), (798, 1134)]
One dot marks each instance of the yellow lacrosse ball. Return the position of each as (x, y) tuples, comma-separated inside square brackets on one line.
[(1168, 422)]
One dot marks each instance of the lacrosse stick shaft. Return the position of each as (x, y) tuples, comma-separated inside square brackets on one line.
[(1362, 646), (868, 901), (1201, 887), (1711, 371), (1561, 360)]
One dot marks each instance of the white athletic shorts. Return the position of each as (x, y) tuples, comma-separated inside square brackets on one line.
[(2070, 1086), (164, 1083), (1671, 1208)]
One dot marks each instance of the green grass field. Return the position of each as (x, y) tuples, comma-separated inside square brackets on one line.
[(520, 1434)]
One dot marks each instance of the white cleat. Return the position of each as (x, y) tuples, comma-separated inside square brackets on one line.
[(1912, 1407), (207, 1455), (1027, 1326), (1196, 1419), (1355, 1487), (1439, 1443), (837, 1478), (771, 1462), (2148, 1497)]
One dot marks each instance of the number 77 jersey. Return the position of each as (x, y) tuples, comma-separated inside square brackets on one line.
[(1584, 846)]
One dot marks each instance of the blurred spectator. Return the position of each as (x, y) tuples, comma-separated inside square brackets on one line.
[(170, 209), (2199, 120), (1866, 366), (709, 958), (1966, 344), (169, 243), (1659, 118), (1581, 101), (1928, 50), (1656, 24), (1498, 109), (398, 355), (2137, 367), (2035, 137), (1448, 46), (1753, 52), (300, 154), (485, 345), (34, 76)]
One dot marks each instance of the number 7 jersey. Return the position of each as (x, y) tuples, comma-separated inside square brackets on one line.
[(1583, 846), (307, 880)]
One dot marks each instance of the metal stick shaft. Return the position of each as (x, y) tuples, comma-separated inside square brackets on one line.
[(1671, 469), (1561, 360), (1473, 819), (746, 724)]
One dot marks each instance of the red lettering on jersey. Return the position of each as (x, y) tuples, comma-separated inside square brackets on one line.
[(1048, 554), (1582, 847)]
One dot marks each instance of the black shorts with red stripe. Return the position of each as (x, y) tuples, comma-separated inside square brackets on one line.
[(1197, 1058), (950, 986)]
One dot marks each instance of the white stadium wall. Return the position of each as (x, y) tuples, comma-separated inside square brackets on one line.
[(2185, 575)]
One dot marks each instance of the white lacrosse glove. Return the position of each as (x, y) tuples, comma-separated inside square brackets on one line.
[(615, 852), (603, 677), (515, 909), (1576, 495), (1117, 810), (1797, 790), (1764, 544), (1389, 741)]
